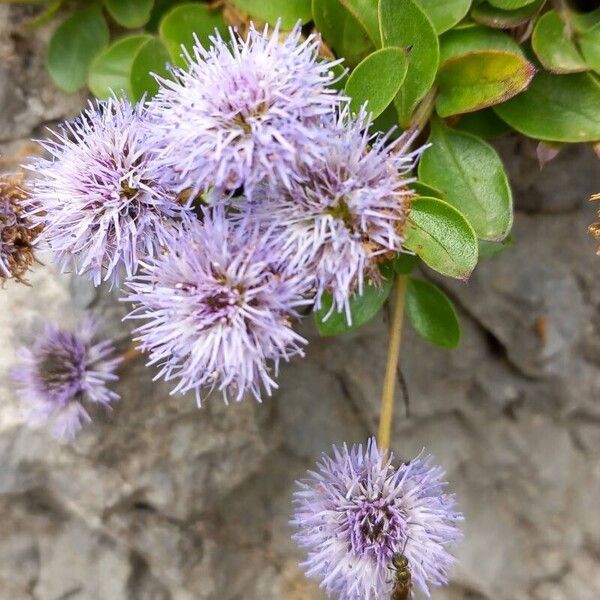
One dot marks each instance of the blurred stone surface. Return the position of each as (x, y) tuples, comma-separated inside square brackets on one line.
[(162, 501)]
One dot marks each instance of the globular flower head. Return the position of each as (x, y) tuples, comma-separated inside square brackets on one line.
[(358, 511), (98, 196), (62, 373), (242, 111), (17, 232), (218, 309), (347, 211)]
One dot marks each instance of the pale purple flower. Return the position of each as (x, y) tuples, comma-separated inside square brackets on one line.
[(243, 110), (346, 212), (218, 309), (62, 373), (358, 510), (98, 195)]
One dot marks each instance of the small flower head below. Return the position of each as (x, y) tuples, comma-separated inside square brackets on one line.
[(17, 232), (346, 211), (62, 374), (358, 511), (98, 195), (243, 111), (218, 309)]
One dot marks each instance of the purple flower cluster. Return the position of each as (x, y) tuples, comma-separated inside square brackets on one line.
[(357, 511), (243, 191), (64, 372)]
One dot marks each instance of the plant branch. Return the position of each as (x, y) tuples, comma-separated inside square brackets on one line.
[(389, 382)]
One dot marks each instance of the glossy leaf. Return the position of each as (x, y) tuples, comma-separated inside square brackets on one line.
[(441, 236), (290, 11), (432, 313), (377, 79), (556, 108), (404, 24), (467, 40), (152, 57), (584, 21), (510, 4), (553, 47), (445, 14), (341, 31), (365, 12), (483, 123), (111, 70), (589, 43), (73, 47), (471, 175), (362, 308), (489, 15), (179, 26), (129, 13), (480, 79)]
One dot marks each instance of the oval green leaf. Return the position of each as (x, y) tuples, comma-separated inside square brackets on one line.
[(111, 70), (152, 57), (553, 47), (480, 79), (365, 12), (376, 80), (130, 13), (404, 24), (270, 11), (342, 32), (442, 238), (483, 123), (471, 175), (589, 43), (362, 309), (445, 14), (179, 26), (556, 108), (510, 4), (432, 313), (472, 38), (73, 47), (489, 15), (422, 189)]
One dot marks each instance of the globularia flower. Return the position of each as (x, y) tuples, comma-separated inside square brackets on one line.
[(243, 110), (17, 232), (347, 211), (357, 511), (218, 309), (98, 196), (61, 373)]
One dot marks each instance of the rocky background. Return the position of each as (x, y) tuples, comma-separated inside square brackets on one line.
[(161, 501)]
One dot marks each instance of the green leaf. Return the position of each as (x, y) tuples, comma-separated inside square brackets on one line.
[(584, 21), (362, 309), (556, 108), (510, 4), (179, 25), (422, 189), (290, 11), (483, 123), (480, 79), (471, 175), (445, 14), (377, 79), (553, 47), (489, 15), (404, 263), (432, 314), (341, 31), (404, 24), (441, 237), (73, 47), (111, 70), (129, 13), (365, 12), (491, 249), (467, 40), (152, 57), (589, 43)]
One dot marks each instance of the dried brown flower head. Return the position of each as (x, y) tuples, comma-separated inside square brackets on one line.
[(16, 232)]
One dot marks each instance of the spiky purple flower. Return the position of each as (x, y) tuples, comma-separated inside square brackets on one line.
[(98, 195), (62, 373), (218, 308), (347, 210), (358, 510), (243, 110)]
